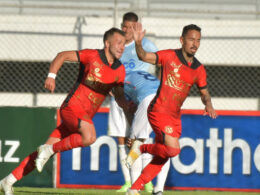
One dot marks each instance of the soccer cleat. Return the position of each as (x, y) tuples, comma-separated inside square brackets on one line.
[(148, 187), (134, 153), (6, 188), (44, 153), (125, 187), (157, 193), (132, 192)]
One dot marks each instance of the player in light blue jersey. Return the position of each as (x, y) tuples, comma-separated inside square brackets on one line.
[(117, 124), (141, 87), (130, 58), (140, 84)]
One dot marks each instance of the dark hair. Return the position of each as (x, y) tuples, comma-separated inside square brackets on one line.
[(130, 16), (111, 32), (190, 27)]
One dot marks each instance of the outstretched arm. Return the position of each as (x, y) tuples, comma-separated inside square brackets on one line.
[(56, 65), (127, 106), (139, 33), (206, 100)]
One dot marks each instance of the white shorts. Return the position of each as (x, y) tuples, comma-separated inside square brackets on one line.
[(141, 127), (117, 123)]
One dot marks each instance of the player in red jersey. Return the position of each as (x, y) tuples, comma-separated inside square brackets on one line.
[(99, 72), (180, 70)]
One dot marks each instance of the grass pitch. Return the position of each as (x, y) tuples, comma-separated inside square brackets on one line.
[(60, 191)]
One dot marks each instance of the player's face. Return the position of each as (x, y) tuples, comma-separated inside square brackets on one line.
[(127, 28), (191, 42), (116, 45)]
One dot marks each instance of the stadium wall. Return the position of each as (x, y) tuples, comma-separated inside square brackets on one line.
[(22, 131), (221, 154), (39, 38)]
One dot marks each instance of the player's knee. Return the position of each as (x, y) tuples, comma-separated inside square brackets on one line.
[(171, 152), (87, 141)]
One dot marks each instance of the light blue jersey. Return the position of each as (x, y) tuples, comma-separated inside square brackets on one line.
[(130, 58), (140, 84)]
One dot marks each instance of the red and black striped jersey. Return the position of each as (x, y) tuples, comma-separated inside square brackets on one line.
[(177, 77), (96, 78)]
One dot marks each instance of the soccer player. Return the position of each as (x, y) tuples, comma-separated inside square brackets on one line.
[(99, 72), (180, 70), (141, 87), (118, 126)]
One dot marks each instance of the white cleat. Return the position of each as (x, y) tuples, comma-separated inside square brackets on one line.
[(132, 192), (6, 188), (133, 154), (44, 153)]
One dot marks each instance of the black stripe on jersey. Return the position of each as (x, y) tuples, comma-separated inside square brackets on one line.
[(79, 120), (77, 52), (204, 87), (103, 57), (150, 108), (76, 85), (195, 63), (157, 58)]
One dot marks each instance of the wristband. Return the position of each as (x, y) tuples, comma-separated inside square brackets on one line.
[(52, 75)]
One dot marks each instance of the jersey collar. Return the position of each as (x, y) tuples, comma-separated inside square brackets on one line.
[(195, 63), (128, 44), (103, 57)]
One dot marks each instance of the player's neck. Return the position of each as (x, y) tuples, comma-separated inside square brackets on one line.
[(110, 58), (129, 41), (188, 58)]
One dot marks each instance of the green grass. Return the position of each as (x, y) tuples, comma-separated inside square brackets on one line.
[(53, 191)]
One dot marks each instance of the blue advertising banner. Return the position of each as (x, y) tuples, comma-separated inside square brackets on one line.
[(220, 154)]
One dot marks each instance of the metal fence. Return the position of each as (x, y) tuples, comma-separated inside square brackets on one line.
[(32, 32)]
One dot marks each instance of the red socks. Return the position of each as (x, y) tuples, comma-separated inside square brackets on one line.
[(28, 164), (72, 141), (161, 154), (149, 172), (25, 167), (160, 150)]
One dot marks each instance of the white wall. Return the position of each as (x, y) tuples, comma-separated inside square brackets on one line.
[(39, 38), (56, 99)]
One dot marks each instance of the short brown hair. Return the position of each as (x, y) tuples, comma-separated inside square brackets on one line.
[(111, 32)]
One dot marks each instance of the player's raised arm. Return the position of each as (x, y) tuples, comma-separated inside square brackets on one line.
[(56, 65), (139, 33)]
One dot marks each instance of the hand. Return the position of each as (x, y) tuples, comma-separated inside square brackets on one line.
[(210, 111), (138, 32), (129, 142), (50, 84)]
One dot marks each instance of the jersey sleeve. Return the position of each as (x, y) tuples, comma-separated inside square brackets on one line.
[(83, 55), (202, 78), (162, 56)]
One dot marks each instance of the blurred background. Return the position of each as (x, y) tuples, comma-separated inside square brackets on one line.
[(32, 32)]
